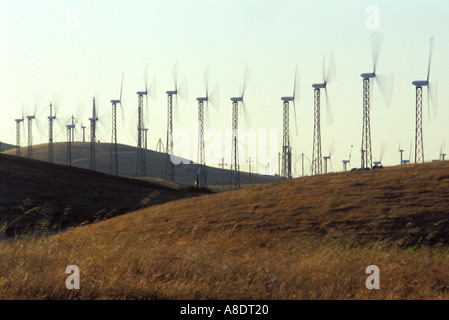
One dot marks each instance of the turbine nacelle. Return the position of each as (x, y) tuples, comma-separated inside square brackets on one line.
[(31, 117), (202, 99), (19, 120), (70, 126), (368, 75), (237, 99), (115, 101), (287, 99), (51, 118), (319, 85), (420, 83), (142, 93), (172, 92)]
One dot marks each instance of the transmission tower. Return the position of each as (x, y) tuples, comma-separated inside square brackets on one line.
[(18, 144), (30, 137), (286, 148), (51, 118), (235, 167), (70, 130), (201, 160), (113, 163), (141, 163), (317, 165), (367, 158), (93, 126), (169, 165)]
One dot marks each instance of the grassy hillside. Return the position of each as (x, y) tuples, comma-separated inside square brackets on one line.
[(127, 160), (38, 196), (308, 238)]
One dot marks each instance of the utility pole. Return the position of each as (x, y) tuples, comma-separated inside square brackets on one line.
[(302, 163), (222, 164), (279, 163), (249, 161)]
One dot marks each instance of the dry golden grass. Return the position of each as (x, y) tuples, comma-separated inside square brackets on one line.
[(309, 238)]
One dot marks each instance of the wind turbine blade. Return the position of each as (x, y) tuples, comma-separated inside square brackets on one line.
[(182, 91), (206, 80), (383, 147), (121, 87), (433, 92), (175, 75), (331, 72), (432, 40), (330, 117), (376, 43), (296, 83), (296, 123), (323, 70), (153, 88), (246, 115), (206, 114), (410, 152), (37, 102), (428, 102), (214, 97), (176, 109), (385, 83), (331, 148), (246, 77)]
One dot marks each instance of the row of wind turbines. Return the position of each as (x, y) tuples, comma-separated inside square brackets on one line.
[(318, 163)]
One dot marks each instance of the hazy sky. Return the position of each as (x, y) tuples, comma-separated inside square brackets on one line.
[(78, 49)]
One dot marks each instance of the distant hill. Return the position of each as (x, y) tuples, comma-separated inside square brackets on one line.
[(127, 161), (6, 146), (39, 196)]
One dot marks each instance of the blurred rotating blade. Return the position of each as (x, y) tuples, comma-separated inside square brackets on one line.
[(432, 41), (376, 44), (385, 83), (294, 112), (246, 77), (206, 115), (330, 116), (331, 71), (246, 115), (432, 91), (206, 81), (121, 102)]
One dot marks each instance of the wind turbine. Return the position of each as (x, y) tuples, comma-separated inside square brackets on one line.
[(51, 119), (419, 84), (407, 161), (346, 162), (235, 166), (141, 161), (201, 161), (328, 157), (378, 164), (400, 152), (30, 126), (317, 165), (18, 140), (169, 165), (286, 148), (376, 42), (93, 129), (113, 163)]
